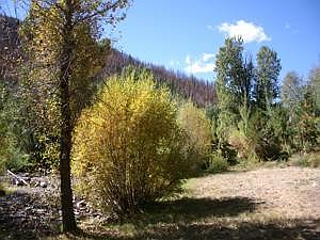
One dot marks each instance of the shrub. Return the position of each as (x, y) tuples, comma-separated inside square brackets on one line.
[(303, 162), (217, 164), (11, 157), (240, 143), (314, 160), (198, 129), (262, 138), (19, 163), (127, 146), (309, 160)]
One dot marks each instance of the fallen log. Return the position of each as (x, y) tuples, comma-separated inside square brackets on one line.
[(19, 179)]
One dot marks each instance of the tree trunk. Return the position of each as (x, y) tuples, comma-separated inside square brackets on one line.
[(68, 218)]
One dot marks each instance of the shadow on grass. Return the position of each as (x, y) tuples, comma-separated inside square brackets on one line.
[(294, 230), (299, 230), (172, 214), (186, 219), (178, 219), (194, 209)]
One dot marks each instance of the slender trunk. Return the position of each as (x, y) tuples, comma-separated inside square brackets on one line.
[(69, 223), (68, 218)]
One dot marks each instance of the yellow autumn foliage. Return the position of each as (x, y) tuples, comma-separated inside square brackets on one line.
[(42, 40), (194, 122), (127, 146)]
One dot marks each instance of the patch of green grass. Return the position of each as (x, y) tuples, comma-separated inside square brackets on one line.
[(306, 160), (217, 164), (7, 189), (313, 159), (191, 216), (246, 165)]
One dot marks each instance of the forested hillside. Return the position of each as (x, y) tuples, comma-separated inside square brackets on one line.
[(199, 91), (188, 87)]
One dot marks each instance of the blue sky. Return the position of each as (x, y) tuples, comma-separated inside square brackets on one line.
[(185, 35)]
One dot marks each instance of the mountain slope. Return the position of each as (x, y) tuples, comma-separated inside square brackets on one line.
[(200, 92), (9, 47)]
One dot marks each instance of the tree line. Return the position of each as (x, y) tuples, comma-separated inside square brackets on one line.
[(255, 116)]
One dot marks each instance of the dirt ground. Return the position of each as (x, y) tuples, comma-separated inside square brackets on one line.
[(291, 192)]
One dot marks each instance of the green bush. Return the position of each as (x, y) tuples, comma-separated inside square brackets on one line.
[(128, 145), (18, 162), (263, 141), (303, 162), (198, 129), (217, 164), (314, 160), (309, 160), (11, 157)]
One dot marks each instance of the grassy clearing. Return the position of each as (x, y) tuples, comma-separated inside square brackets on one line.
[(268, 203), (177, 222)]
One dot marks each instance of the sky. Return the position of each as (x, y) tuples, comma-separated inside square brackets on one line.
[(185, 35)]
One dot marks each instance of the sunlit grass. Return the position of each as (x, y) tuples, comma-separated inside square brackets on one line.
[(307, 160), (201, 212), (7, 188)]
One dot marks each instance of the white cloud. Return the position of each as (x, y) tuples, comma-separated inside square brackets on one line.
[(197, 67), (205, 64), (247, 30), (207, 56)]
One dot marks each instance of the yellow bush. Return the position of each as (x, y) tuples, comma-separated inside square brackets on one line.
[(127, 146), (198, 129)]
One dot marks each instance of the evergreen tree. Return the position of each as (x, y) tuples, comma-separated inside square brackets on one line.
[(267, 73), (233, 85), (314, 82)]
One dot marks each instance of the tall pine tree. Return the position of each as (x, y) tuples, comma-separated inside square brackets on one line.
[(233, 86)]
